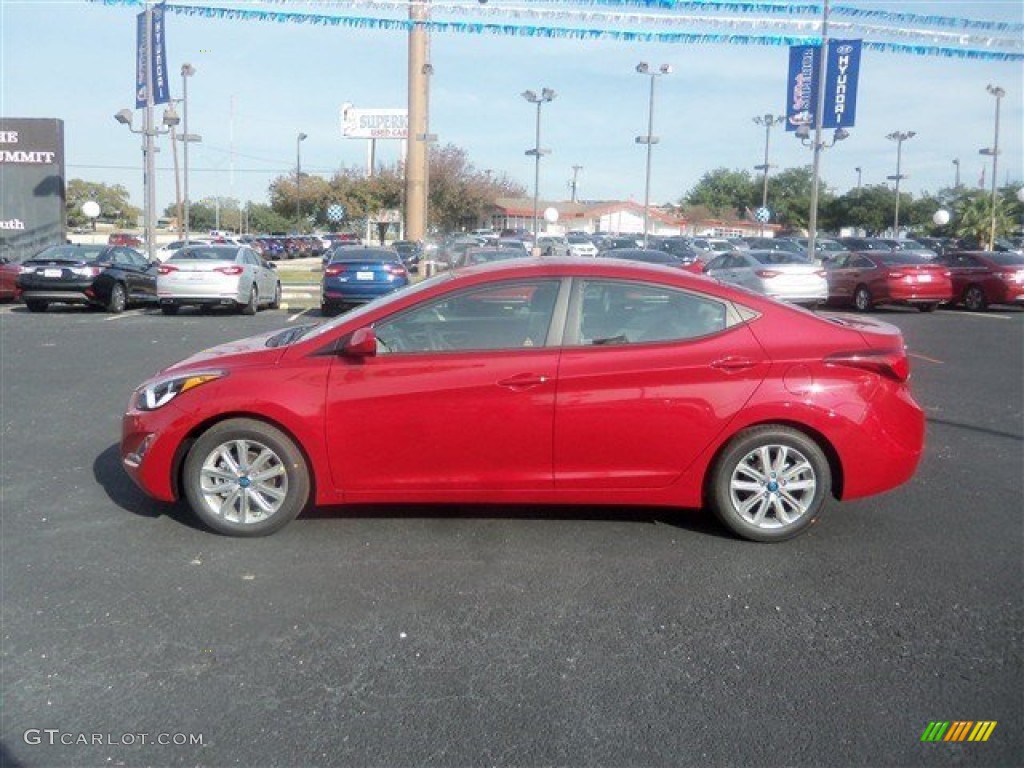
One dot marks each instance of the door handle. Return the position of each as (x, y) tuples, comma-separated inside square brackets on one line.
[(734, 364), (523, 381)]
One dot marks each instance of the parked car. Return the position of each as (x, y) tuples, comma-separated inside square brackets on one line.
[(355, 276), (622, 241), (410, 252), (680, 248), (553, 245), (981, 278), (213, 275), (648, 256), (870, 278), (865, 244), (775, 244), (581, 381), (484, 254), (581, 245), (779, 274), (10, 268), (111, 277), (124, 238), (165, 251)]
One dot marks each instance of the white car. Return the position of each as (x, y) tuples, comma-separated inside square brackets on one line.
[(581, 245), (165, 251), (553, 245), (217, 275), (778, 274)]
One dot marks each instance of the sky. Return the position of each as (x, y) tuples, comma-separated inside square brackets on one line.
[(258, 84)]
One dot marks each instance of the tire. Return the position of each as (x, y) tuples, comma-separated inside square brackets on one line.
[(927, 307), (862, 299), (36, 305), (328, 310), (118, 301), (254, 302), (974, 298), (228, 496), (169, 309), (276, 302), (747, 490)]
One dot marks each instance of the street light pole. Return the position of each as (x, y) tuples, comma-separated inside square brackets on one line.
[(998, 92), (545, 95), (899, 137), (767, 121), (956, 179), (858, 169), (298, 181), (187, 70), (650, 139)]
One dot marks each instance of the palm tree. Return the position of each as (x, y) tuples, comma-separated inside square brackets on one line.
[(973, 217)]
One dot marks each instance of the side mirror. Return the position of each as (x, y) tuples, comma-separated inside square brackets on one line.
[(362, 343), (270, 265)]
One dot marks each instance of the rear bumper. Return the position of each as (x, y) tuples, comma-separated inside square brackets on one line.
[(59, 296)]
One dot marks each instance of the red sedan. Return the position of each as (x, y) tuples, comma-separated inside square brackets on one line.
[(982, 278), (537, 381), (9, 271), (868, 278)]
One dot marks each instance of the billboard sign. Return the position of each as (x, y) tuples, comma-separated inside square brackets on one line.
[(843, 69), (31, 185), (374, 123)]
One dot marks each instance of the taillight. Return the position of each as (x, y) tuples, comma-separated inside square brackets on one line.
[(334, 270), (229, 270), (891, 363), (766, 273), (164, 269), (395, 269), (897, 275)]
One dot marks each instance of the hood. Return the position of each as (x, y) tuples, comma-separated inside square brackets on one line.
[(252, 350)]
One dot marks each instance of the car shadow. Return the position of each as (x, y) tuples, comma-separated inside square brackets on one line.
[(120, 489)]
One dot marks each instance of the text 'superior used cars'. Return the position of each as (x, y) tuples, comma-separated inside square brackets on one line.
[(546, 381)]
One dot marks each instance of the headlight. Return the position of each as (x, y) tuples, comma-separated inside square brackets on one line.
[(162, 391)]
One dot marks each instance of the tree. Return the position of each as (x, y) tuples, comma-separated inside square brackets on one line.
[(112, 199), (972, 216), (789, 194), (724, 193), (869, 208)]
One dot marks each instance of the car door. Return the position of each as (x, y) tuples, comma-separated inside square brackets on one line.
[(649, 376), (142, 284), (460, 396)]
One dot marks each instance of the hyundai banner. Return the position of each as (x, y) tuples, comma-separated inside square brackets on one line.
[(156, 53), (840, 84)]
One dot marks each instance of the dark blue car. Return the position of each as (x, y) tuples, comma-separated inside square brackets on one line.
[(354, 275)]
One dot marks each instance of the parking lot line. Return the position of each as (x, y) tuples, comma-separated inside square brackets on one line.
[(977, 315), (295, 317), (926, 358)]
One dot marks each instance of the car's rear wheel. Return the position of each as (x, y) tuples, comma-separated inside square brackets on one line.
[(243, 477), (253, 303), (36, 305), (862, 299), (974, 298), (930, 307), (169, 309), (118, 301), (770, 483)]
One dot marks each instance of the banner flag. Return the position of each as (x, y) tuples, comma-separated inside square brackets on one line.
[(801, 85), (140, 61), (841, 83), (161, 86)]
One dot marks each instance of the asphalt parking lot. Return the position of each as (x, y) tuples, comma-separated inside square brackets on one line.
[(484, 636)]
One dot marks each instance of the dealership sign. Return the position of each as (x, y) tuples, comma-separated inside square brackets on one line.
[(31, 185), (374, 123), (843, 68)]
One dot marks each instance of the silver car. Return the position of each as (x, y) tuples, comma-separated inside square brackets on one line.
[(217, 275), (778, 274)]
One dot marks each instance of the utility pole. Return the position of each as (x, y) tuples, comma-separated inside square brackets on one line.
[(575, 172)]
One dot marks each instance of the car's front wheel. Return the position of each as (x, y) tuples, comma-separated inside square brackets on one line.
[(770, 483), (244, 477)]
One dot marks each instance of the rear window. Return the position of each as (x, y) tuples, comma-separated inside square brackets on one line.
[(896, 258), (1007, 259), (205, 254), (778, 257), (72, 252), (363, 254)]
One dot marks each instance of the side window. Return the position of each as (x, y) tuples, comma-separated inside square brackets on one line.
[(614, 312), (512, 315), (859, 262)]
